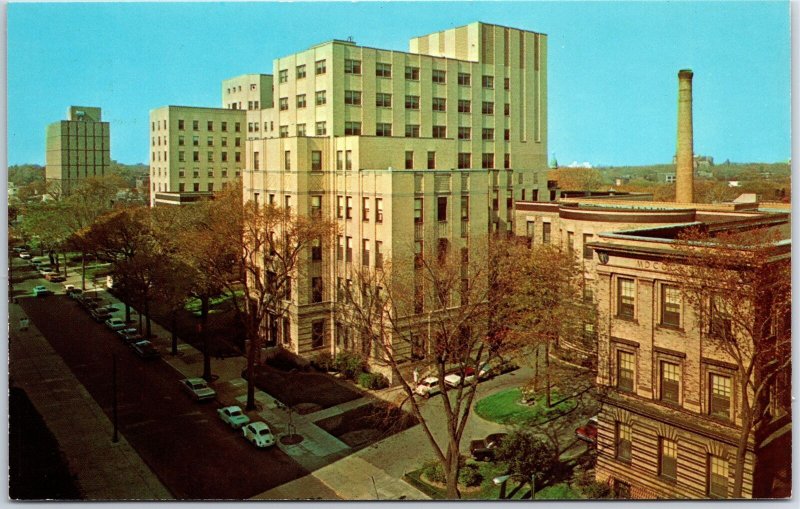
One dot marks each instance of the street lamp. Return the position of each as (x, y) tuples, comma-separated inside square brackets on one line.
[(501, 481)]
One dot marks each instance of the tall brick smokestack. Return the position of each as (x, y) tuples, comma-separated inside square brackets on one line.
[(684, 178)]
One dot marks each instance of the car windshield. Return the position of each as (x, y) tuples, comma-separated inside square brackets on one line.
[(264, 431), (235, 412)]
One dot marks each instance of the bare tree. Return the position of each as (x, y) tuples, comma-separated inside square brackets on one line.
[(739, 286)]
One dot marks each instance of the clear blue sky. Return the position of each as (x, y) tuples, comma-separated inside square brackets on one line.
[(612, 66)]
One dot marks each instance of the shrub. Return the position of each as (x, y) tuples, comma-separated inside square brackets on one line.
[(349, 364), (433, 471), (372, 381), (469, 476), (323, 361)]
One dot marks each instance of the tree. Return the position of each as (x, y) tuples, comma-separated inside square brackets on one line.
[(739, 287), (264, 250), (528, 456), (435, 304), (577, 179)]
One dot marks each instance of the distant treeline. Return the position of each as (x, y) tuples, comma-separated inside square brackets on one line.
[(24, 174), (723, 171)]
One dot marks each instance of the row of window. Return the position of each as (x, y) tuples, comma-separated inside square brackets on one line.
[(195, 187), (441, 209), (237, 127), (235, 89), (237, 156), (344, 208), (344, 252), (196, 173), (237, 142), (719, 389), (716, 466)]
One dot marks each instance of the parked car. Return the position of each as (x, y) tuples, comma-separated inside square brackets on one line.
[(588, 431), (100, 314), (130, 335), (54, 277), (44, 269), (259, 434), (454, 379), (233, 416), (484, 450), (198, 389), (25, 255), (145, 349), (90, 302), (495, 368), (40, 291), (115, 324), (428, 387), (72, 292)]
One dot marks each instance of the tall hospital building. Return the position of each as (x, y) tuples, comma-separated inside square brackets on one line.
[(407, 151), (77, 148)]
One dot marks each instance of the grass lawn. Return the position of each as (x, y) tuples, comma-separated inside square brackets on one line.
[(214, 304), (506, 407), (487, 491)]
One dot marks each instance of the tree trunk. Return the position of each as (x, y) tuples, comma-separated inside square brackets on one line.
[(174, 332), (83, 284), (65, 265), (204, 333), (128, 314), (536, 370), (741, 449), (451, 468), (147, 316), (252, 346), (547, 371)]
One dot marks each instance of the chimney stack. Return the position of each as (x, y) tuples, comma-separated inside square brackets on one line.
[(684, 178)]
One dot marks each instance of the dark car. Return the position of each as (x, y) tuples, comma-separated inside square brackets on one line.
[(90, 302), (588, 432), (483, 450), (145, 349), (101, 314), (130, 335)]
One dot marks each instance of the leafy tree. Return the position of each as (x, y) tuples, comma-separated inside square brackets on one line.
[(577, 179), (529, 456)]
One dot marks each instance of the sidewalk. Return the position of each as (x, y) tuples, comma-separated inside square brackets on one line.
[(105, 470)]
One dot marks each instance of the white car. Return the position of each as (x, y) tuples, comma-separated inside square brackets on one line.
[(25, 255), (115, 324), (428, 387), (233, 416), (40, 291), (259, 434), (198, 389), (454, 379)]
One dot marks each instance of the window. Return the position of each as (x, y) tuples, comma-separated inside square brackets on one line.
[(464, 79), (365, 252), (339, 247), (237, 142), (317, 333), (181, 156), (487, 81), (464, 160), (670, 306), (378, 254), (626, 297), (439, 76), (506, 109), (668, 458), (195, 156), (301, 129), (237, 157), (181, 187), (507, 83), (545, 233), (348, 212), (352, 66), (365, 209), (412, 73), (719, 395), (383, 100), (224, 141), (417, 210), (283, 131), (587, 251), (464, 105), (301, 101), (412, 130), (339, 160), (181, 125), (441, 208), (717, 476), (320, 129), (383, 70), (418, 258), (316, 160), (224, 127), (301, 71), (255, 160), (283, 75), (439, 131), (464, 133), (352, 128), (210, 125), (224, 174), (316, 207), (287, 160), (340, 207), (670, 382), (316, 289), (319, 67), (431, 160), (412, 102), (195, 141), (237, 126), (352, 97), (487, 108), (383, 129), (487, 161), (623, 442), (195, 125), (625, 373), (210, 157), (719, 322), (439, 104), (379, 210), (465, 208), (287, 204), (409, 160), (348, 249), (507, 134), (487, 134), (210, 187), (283, 103)]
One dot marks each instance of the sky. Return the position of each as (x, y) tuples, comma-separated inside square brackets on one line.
[(612, 73)]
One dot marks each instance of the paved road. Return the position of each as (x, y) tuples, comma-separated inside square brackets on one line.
[(192, 452)]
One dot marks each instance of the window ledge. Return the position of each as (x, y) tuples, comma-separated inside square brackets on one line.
[(626, 461), (627, 319), (669, 480), (675, 328)]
